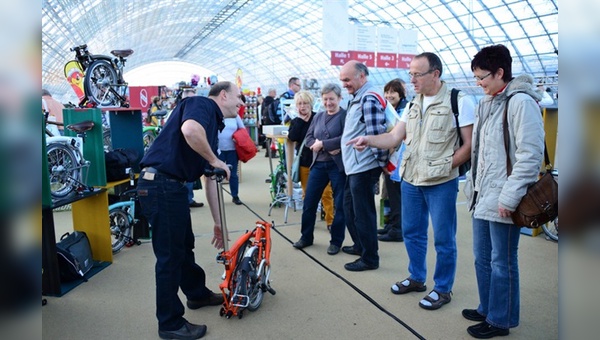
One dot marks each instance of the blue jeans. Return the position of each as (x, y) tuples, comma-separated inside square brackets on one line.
[(320, 174), (361, 213), (230, 157), (418, 203), (164, 203), (495, 246)]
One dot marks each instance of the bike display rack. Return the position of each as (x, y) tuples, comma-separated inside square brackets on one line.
[(90, 209)]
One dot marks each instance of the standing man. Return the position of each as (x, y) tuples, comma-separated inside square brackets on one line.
[(429, 174), (185, 147), (365, 116)]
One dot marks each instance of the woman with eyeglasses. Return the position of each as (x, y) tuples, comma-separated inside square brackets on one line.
[(493, 192)]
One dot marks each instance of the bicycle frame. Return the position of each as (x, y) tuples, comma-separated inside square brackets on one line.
[(247, 263)]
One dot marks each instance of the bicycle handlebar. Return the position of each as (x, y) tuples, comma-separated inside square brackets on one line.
[(218, 174)]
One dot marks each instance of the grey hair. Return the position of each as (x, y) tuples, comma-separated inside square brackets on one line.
[(331, 87), (361, 68)]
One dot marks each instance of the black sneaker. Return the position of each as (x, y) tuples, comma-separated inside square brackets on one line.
[(486, 331), (350, 250), (194, 204), (473, 315), (187, 331), (213, 299), (236, 200), (359, 266)]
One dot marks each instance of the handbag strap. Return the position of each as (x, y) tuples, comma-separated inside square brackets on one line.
[(506, 140)]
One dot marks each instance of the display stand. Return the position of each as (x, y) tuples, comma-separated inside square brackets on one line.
[(289, 160), (251, 117)]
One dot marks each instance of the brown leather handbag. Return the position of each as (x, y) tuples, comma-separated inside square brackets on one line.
[(540, 203)]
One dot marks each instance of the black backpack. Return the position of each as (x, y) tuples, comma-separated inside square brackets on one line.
[(117, 162), (466, 166), (274, 112), (74, 255)]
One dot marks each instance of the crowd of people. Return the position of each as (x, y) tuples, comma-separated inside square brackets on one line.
[(343, 154)]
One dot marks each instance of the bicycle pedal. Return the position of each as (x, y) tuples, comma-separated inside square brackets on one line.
[(240, 300)]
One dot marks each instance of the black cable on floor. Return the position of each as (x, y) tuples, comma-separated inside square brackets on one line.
[(358, 290)]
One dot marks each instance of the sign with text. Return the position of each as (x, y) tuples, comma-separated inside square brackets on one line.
[(387, 40), (367, 58), (408, 41), (339, 58), (335, 22), (404, 60), (387, 60), (364, 38)]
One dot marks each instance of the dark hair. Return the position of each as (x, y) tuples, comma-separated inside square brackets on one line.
[(292, 80), (46, 93), (434, 61), (395, 85), (361, 68), (492, 58), (218, 87)]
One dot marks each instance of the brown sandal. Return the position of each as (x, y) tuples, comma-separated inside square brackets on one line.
[(429, 303), (403, 287)]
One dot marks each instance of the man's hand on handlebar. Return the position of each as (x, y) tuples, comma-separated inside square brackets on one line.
[(219, 164)]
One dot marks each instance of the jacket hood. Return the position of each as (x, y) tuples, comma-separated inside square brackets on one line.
[(523, 83)]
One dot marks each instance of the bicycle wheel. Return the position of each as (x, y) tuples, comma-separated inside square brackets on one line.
[(99, 78), (120, 228), (551, 229), (253, 282), (148, 138), (62, 168)]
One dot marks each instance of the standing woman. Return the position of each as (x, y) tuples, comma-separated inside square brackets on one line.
[(492, 194), (304, 101), (229, 155), (324, 137)]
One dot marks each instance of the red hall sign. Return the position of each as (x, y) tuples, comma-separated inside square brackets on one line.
[(339, 58), (386, 60), (367, 58), (404, 60)]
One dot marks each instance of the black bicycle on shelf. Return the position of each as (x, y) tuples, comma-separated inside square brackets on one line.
[(103, 82)]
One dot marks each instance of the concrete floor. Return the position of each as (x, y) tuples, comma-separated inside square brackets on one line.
[(316, 297)]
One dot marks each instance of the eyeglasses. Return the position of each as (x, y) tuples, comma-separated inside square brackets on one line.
[(419, 75), (298, 84), (477, 78)]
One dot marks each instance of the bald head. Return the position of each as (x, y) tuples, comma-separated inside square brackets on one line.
[(353, 75)]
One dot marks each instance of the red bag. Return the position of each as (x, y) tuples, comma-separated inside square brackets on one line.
[(244, 145)]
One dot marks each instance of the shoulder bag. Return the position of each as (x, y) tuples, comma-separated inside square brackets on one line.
[(540, 203), (244, 145)]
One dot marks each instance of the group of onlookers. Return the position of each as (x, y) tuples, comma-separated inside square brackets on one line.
[(349, 149)]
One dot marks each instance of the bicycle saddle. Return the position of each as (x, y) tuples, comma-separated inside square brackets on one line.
[(160, 113), (81, 127), (122, 53)]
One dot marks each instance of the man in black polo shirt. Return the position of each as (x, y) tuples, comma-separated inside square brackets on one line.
[(185, 147)]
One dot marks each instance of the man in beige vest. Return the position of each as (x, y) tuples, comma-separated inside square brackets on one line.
[(429, 172)]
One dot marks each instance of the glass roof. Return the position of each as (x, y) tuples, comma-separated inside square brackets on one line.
[(273, 40)]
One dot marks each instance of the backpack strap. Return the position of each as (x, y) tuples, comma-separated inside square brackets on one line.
[(381, 101), (454, 103)]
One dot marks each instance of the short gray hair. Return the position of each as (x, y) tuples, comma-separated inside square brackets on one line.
[(331, 87)]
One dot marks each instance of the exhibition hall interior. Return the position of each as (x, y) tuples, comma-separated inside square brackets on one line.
[(117, 77)]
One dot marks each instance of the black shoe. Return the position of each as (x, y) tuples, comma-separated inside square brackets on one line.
[(359, 266), (486, 331), (386, 228), (302, 244), (187, 331), (389, 238), (236, 200), (473, 315), (213, 299), (195, 204), (333, 249), (350, 250)]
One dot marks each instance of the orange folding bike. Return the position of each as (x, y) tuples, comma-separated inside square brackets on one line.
[(247, 263)]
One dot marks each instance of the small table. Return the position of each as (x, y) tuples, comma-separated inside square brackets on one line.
[(289, 160)]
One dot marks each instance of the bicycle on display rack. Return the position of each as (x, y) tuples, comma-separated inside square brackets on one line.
[(122, 219), (551, 228), (103, 82), (247, 263), (66, 162), (149, 133)]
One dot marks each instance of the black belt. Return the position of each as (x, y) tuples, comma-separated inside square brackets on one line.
[(161, 174)]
